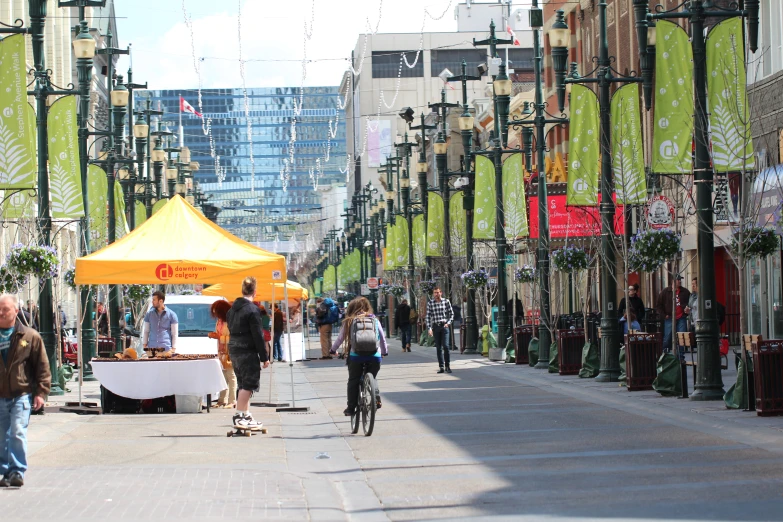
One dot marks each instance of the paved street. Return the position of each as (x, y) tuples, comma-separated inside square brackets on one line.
[(489, 441)]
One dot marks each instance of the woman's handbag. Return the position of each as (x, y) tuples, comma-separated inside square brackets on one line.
[(267, 335)]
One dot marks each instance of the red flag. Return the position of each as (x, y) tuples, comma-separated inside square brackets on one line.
[(186, 107), (514, 38)]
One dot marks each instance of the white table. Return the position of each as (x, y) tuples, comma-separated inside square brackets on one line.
[(151, 379)]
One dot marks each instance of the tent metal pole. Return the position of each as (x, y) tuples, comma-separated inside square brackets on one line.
[(79, 338), (291, 361), (271, 404)]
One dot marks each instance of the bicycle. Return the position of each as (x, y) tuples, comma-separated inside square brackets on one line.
[(366, 406)]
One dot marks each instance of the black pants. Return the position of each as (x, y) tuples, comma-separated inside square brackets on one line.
[(355, 376), (441, 344)]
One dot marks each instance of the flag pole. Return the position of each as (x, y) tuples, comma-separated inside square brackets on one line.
[(181, 133)]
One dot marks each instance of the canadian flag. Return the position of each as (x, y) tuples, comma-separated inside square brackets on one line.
[(184, 106), (514, 38)]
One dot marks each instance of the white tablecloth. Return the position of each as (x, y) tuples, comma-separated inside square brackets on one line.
[(297, 348), (148, 379)]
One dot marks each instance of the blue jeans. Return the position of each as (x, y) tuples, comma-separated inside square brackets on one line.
[(14, 418), (682, 326), (405, 334), (278, 348)]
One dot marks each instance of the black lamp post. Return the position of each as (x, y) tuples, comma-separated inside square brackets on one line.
[(708, 383), (421, 168)]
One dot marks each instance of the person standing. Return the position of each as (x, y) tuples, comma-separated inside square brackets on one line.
[(218, 310), (277, 348), (677, 296), (102, 320), (32, 309), (402, 322), (63, 317), (326, 314), (266, 326), (440, 315), (247, 349), (637, 305), (25, 381), (693, 305), (161, 325)]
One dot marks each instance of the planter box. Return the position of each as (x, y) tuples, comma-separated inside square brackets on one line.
[(768, 376), (522, 336), (569, 350), (642, 351)]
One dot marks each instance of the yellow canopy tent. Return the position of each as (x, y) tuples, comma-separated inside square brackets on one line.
[(178, 245), (264, 291)]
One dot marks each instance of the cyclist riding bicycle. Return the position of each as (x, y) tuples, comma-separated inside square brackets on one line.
[(359, 354)]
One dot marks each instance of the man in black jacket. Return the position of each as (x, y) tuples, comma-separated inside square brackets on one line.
[(637, 305), (402, 322), (247, 349)]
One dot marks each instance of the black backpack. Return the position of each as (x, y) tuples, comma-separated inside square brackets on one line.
[(363, 336)]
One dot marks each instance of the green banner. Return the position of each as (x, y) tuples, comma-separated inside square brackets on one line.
[(484, 210), (97, 194), (65, 181), (17, 123), (329, 279), (457, 223), (388, 262), (673, 132), (317, 287), (584, 148), (159, 205), (141, 213), (401, 238), (435, 220), (732, 145), (419, 242), (120, 223), (514, 201), (627, 147), (340, 282)]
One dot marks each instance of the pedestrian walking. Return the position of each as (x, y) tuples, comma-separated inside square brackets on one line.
[(63, 317), (402, 322), (247, 349), (266, 326), (278, 330), (161, 325), (440, 315), (32, 309), (25, 381), (366, 345), (693, 305), (218, 310), (677, 296)]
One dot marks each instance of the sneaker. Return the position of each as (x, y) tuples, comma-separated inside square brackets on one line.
[(15, 479), (448, 370), (245, 421), (441, 370), (4, 482), (348, 412)]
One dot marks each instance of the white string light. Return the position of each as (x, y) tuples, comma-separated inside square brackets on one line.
[(247, 105)]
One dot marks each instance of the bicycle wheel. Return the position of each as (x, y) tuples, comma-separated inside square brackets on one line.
[(357, 412), (369, 405)]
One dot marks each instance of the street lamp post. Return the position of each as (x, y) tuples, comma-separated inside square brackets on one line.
[(708, 383), (421, 169), (559, 37)]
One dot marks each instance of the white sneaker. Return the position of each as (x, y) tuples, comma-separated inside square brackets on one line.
[(245, 421)]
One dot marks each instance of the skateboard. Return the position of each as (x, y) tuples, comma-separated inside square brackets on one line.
[(238, 431)]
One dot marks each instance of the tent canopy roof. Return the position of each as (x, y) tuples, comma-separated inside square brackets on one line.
[(178, 245), (263, 292)]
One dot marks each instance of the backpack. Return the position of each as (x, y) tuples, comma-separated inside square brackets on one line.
[(362, 338), (334, 314)]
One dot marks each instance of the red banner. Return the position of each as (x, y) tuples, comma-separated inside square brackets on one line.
[(565, 221)]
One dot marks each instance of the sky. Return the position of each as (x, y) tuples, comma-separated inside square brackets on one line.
[(272, 38)]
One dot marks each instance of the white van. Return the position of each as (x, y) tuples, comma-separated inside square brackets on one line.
[(195, 322)]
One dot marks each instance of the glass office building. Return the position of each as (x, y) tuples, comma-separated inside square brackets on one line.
[(268, 212)]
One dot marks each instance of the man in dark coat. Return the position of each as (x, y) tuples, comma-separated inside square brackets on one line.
[(402, 322)]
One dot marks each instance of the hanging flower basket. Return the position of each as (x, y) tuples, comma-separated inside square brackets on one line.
[(525, 274), (758, 241), (427, 286), (396, 290), (383, 289), (570, 259), (475, 278), (10, 283), (38, 261), (650, 249)]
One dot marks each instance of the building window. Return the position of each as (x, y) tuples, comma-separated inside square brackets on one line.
[(451, 59), (771, 44), (520, 59), (386, 64)]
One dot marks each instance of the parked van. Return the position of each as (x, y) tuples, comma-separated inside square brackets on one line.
[(195, 322)]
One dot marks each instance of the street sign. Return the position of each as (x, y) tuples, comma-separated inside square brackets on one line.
[(660, 212), (372, 283), (365, 290), (277, 275)]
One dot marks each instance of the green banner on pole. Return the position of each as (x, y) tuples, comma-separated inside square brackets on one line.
[(402, 239), (141, 213), (732, 145), (673, 113), (514, 201), (391, 246), (435, 220), (18, 168), (120, 222), (419, 242), (65, 181), (340, 282), (627, 147), (159, 205), (484, 211), (457, 220), (329, 279), (97, 192), (317, 286), (584, 148)]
